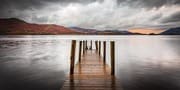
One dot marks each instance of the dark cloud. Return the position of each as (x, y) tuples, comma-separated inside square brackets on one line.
[(9, 8), (148, 3), (22, 4), (103, 14), (156, 17), (25, 4), (172, 18)]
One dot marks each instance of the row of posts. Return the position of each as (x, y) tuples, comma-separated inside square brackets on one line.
[(83, 47)]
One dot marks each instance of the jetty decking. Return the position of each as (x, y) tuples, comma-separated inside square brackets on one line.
[(91, 72)]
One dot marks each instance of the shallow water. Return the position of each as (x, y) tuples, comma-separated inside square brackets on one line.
[(42, 62)]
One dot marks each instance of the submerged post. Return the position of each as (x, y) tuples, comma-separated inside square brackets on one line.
[(80, 49), (104, 55), (91, 45), (99, 48), (112, 57), (83, 47), (96, 44), (86, 45), (73, 48)]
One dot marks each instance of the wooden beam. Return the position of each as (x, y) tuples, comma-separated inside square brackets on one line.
[(99, 48), (96, 44), (80, 49), (104, 53), (91, 45), (86, 45), (112, 43), (83, 47), (73, 48)]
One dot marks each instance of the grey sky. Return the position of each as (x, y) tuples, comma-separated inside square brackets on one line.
[(98, 14)]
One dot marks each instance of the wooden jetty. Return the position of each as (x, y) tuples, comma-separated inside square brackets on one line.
[(91, 72)]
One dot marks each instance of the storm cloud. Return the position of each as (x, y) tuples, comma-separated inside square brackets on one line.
[(149, 3), (97, 14), (172, 18)]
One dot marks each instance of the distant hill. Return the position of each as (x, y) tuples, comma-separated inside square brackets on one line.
[(83, 30), (13, 26), (171, 31), (116, 32), (102, 32)]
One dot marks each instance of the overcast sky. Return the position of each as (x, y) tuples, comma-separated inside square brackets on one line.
[(97, 14)]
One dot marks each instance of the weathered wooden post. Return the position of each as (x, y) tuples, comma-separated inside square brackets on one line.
[(112, 43), (91, 45), (80, 49), (86, 45), (104, 55), (99, 48), (83, 47), (96, 43), (73, 48)]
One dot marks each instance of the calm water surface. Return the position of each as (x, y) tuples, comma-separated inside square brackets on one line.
[(42, 62)]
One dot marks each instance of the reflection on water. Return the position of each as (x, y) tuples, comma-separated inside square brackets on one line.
[(41, 62), (33, 64), (150, 63)]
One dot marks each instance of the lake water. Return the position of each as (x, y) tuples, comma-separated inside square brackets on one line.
[(42, 62)]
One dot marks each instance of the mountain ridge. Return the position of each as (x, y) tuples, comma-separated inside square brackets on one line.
[(13, 26), (103, 32), (171, 31)]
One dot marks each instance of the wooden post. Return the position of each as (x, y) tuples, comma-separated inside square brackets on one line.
[(112, 57), (104, 55), (99, 48), (83, 47), (73, 48), (91, 45), (80, 49), (86, 45), (96, 43)]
